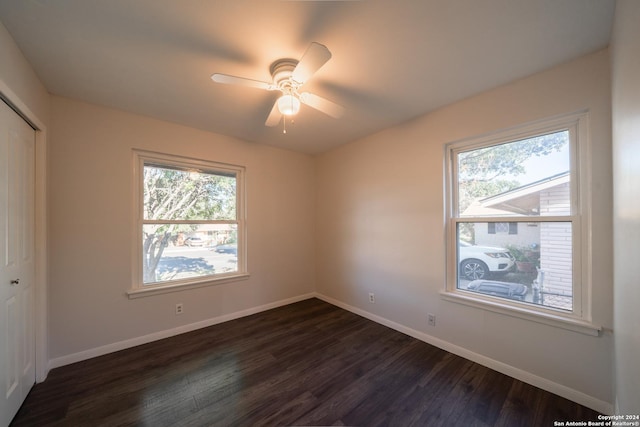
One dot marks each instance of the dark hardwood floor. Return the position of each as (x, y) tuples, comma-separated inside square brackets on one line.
[(308, 363)]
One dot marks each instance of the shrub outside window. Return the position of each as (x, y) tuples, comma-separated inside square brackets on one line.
[(516, 220), (190, 221)]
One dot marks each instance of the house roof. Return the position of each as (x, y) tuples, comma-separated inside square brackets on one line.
[(523, 200), (391, 60)]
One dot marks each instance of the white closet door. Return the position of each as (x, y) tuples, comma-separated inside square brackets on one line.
[(17, 264)]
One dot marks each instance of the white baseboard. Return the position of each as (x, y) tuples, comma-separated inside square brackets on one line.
[(527, 377), (132, 342)]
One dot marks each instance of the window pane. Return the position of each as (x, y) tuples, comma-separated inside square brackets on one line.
[(533, 266), (528, 177), (174, 194), (177, 252)]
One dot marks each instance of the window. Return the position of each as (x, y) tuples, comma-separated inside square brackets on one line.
[(516, 221), (502, 227), (190, 223)]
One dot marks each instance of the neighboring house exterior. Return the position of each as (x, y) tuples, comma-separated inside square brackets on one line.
[(547, 197)]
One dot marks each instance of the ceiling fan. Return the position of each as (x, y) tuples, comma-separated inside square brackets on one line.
[(288, 76)]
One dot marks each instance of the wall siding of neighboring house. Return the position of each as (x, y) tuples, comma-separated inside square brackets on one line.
[(556, 239)]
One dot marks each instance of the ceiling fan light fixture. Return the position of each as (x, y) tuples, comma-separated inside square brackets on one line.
[(288, 105)]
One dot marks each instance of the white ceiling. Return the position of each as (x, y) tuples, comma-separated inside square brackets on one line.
[(392, 60)]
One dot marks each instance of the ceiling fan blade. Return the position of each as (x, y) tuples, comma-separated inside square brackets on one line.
[(241, 81), (274, 116), (314, 58), (321, 104)]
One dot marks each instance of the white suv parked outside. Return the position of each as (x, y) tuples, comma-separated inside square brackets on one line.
[(476, 262)]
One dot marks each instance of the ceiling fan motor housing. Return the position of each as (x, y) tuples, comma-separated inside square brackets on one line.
[(281, 71)]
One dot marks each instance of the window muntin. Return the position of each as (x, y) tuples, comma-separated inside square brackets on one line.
[(190, 222), (516, 194)]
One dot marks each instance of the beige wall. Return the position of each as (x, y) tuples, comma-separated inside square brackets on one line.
[(91, 214), (381, 228), (626, 156), (17, 74)]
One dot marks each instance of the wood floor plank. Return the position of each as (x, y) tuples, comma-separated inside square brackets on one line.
[(308, 363), (489, 398)]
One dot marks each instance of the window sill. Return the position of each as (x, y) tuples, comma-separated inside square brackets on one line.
[(558, 321), (148, 291)]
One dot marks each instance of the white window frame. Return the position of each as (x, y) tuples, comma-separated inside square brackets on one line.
[(579, 319), (140, 158)]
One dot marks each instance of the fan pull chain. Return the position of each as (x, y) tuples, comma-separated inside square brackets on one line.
[(284, 124)]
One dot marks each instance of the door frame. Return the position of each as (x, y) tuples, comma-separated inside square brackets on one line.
[(40, 283)]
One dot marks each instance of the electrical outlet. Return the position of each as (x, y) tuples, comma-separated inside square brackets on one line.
[(372, 298), (179, 308), (431, 318)]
